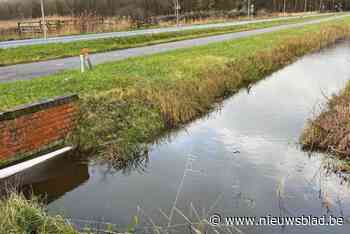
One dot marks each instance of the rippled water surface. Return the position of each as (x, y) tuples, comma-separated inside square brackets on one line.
[(243, 160)]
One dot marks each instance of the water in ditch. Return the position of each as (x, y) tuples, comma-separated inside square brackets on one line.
[(242, 160)]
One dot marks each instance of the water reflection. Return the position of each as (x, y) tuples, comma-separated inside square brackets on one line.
[(52, 179), (137, 164)]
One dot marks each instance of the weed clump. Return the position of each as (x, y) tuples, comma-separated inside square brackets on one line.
[(19, 215)]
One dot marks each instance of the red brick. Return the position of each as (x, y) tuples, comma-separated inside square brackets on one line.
[(36, 130)]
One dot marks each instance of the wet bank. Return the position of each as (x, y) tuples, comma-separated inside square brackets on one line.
[(242, 160)]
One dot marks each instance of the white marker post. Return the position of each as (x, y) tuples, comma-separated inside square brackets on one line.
[(85, 61), (248, 9), (43, 19), (177, 12), (305, 6), (82, 63)]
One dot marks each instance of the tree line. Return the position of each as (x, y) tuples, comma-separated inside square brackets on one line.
[(11, 9)]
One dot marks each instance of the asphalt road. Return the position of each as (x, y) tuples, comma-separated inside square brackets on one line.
[(39, 69), (17, 43)]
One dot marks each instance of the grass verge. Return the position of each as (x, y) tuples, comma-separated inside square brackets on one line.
[(330, 131), (129, 103), (19, 215), (61, 50)]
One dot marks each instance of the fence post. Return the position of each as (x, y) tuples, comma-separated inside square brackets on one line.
[(19, 28)]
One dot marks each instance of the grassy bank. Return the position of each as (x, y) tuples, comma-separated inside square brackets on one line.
[(60, 50), (330, 131), (19, 215), (128, 103)]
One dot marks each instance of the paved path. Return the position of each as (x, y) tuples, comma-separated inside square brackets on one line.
[(17, 43), (33, 70)]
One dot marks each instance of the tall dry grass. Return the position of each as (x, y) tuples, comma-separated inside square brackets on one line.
[(330, 131), (85, 23), (89, 22)]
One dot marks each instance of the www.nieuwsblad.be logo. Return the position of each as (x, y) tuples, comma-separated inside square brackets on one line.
[(217, 220)]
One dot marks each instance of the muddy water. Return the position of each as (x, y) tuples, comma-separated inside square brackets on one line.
[(243, 160)]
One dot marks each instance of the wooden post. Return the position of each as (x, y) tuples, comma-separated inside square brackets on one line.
[(85, 61), (19, 28), (88, 61)]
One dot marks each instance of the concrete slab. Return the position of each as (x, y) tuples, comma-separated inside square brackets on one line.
[(20, 167)]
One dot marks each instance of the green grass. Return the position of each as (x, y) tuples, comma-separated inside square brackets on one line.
[(60, 50), (128, 103), (19, 215)]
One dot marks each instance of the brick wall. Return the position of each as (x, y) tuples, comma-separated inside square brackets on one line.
[(31, 128)]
